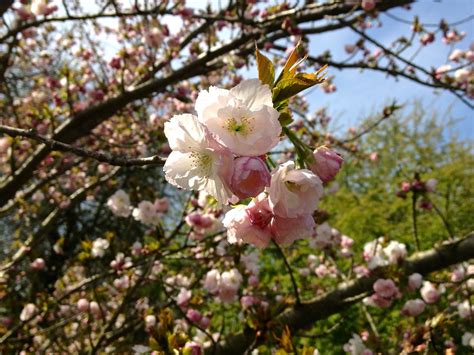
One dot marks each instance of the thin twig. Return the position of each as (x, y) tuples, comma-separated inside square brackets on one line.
[(99, 156), (290, 271)]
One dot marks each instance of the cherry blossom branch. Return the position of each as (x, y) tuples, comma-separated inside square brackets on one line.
[(48, 223), (290, 271), (347, 294), (14, 31), (53, 144), (409, 63), (83, 122)]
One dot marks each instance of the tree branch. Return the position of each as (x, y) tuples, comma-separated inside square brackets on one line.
[(347, 294), (102, 157)]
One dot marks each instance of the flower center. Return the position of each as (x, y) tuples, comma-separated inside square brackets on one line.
[(241, 125), (203, 162)]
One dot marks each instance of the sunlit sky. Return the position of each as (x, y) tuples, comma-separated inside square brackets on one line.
[(361, 93)]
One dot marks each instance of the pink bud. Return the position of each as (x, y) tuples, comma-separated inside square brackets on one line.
[(83, 305), (406, 186), (161, 204), (192, 348), (95, 308), (194, 315), (205, 322), (250, 177), (150, 321), (247, 301), (429, 293), (327, 163), (413, 308), (385, 288), (199, 221), (368, 5), (38, 264), (427, 38), (414, 281), (253, 281)]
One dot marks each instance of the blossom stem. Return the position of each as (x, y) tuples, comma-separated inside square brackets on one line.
[(414, 217), (290, 271)]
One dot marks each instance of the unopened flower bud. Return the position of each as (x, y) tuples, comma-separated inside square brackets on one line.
[(327, 163)]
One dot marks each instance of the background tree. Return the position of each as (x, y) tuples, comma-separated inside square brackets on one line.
[(100, 253)]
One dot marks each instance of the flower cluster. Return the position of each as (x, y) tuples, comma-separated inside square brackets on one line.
[(224, 285), (218, 151), (221, 151), (376, 254), (147, 212), (283, 213)]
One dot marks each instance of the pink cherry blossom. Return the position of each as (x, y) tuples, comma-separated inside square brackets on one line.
[(327, 163), (83, 305), (294, 193), (240, 228), (250, 177), (413, 308), (242, 119), (197, 161), (368, 5), (287, 230), (38, 264), (415, 281), (429, 293), (385, 288)]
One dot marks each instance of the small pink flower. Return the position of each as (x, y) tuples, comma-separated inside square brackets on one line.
[(248, 224), (192, 348), (456, 55), (211, 282), (4, 144), (183, 297), (205, 322), (150, 321), (95, 308), (368, 5), (294, 192), (429, 293), (378, 301), (427, 38), (161, 204), (38, 264), (327, 163), (414, 281), (346, 242), (250, 177), (83, 305), (385, 288), (194, 315), (199, 221), (287, 230), (413, 308), (247, 301)]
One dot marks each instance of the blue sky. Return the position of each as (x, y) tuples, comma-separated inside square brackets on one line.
[(359, 94)]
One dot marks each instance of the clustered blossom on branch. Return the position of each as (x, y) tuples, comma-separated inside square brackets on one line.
[(222, 151)]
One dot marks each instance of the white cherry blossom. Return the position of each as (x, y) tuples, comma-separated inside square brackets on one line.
[(242, 119), (197, 162)]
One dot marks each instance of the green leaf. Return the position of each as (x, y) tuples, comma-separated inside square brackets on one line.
[(288, 88), (289, 69), (285, 117), (266, 69)]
